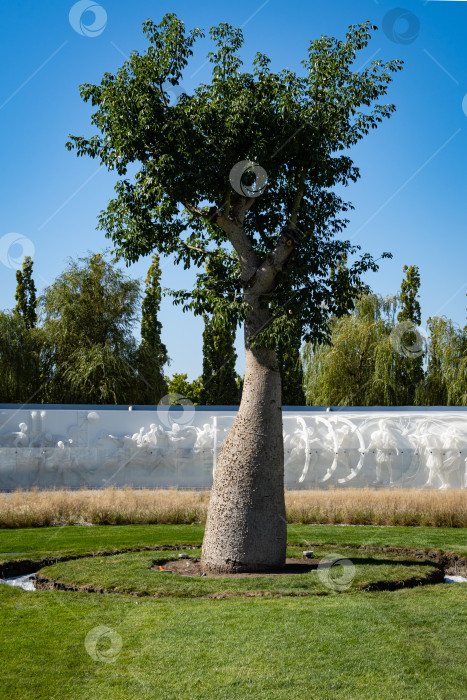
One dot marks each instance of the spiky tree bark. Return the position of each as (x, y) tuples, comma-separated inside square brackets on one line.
[(278, 242)]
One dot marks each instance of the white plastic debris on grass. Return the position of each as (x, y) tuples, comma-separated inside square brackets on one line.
[(24, 582), (455, 579)]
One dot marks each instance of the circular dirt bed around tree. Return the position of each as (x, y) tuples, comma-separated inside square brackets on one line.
[(192, 567)]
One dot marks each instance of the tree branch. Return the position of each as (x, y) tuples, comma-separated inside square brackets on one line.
[(298, 198)]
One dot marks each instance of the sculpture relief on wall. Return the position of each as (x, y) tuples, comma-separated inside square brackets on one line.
[(73, 448)]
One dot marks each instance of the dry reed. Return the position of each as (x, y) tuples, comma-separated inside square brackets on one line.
[(130, 506)]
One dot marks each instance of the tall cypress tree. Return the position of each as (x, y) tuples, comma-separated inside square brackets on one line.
[(219, 379), (152, 353), (409, 368), (26, 294), (291, 369)]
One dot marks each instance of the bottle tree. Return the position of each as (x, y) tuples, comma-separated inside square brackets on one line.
[(219, 379), (152, 353), (25, 296), (191, 198)]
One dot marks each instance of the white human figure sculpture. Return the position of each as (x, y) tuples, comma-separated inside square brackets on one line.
[(383, 443), (204, 438), (343, 439), (452, 455), (17, 439), (297, 453), (433, 451), (294, 447), (183, 436)]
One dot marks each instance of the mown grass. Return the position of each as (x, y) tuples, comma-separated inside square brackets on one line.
[(36, 544), (403, 644), (134, 573), (405, 507)]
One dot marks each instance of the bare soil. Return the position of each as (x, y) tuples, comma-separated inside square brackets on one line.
[(192, 567)]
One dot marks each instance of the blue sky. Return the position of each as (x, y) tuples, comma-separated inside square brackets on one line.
[(410, 199)]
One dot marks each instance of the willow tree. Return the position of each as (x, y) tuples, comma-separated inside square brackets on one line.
[(88, 315), (199, 194), (357, 366)]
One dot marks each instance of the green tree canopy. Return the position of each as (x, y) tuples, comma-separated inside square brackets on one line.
[(293, 126), (180, 386), (409, 373), (26, 294), (20, 360), (152, 353), (88, 315), (290, 366), (219, 378), (357, 367), (446, 375)]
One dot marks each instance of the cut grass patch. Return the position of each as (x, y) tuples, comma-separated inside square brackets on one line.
[(405, 644), (134, 573), (37, 544)]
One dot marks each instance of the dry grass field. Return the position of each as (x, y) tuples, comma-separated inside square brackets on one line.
[(127, 506)]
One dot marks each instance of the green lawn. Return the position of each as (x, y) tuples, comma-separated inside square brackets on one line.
[(402, 644), (409, 643), (134, 573), (38, 543)]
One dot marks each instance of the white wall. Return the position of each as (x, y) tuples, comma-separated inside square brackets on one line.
[(177, 447)]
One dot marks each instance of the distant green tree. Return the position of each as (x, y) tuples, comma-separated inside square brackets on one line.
[(180, 385), (88, 314), (20, 360), (26, 294), (152, 353), (357, 367), (446, 375), (219, 379), (291, 369), (408, 370)]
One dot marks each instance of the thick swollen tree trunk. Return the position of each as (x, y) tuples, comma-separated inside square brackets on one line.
[(246, 524)]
